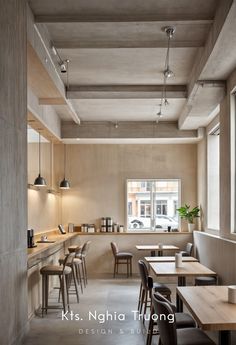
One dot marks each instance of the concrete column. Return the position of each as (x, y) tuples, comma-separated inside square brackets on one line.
[(13, 172)]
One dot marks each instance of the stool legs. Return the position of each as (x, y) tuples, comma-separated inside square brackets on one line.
[(75, 281), (79, 277)]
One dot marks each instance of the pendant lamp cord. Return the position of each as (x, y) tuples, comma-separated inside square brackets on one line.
[(64, 161), (39, 154)]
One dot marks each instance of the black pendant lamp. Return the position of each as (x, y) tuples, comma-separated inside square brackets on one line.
[(40, 181), (65, 184)]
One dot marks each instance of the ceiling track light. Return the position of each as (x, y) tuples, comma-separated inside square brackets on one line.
[(62, 63), (167, 72)]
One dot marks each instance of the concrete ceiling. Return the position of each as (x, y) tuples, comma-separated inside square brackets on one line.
[(201, 8), (114, 43), (126, 66), (126, 110)]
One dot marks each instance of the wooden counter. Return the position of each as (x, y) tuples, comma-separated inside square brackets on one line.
[(44, 250), (41, 247)]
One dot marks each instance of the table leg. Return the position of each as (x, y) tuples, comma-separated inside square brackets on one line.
[(179, 302), (153, 253), (224, 338)]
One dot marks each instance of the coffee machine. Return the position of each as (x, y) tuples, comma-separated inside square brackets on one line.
[(30, 237)]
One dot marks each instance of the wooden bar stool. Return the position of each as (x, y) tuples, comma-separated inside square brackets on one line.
[(62, 272), (121, 258), (72, 263), (78, 263)]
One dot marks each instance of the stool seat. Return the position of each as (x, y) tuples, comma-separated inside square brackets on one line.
[(78, 261), (55, 270), (203, 281), (193, 336), (124, 255), (161, 288), (184, 320)]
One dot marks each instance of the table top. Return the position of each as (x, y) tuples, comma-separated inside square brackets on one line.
[(188, 269), (168, 258), (156, 247), (209, 306)]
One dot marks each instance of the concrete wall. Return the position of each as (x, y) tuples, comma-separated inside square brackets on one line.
[(98, 176), (13, 172)]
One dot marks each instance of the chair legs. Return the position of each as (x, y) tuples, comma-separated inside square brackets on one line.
[(127, 262)]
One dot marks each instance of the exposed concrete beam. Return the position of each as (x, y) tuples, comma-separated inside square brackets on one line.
[(126, 130), (43, 117), (125, 44), (126, 92), (204, 58), (180, 19), (204, 55), (201, 106), (43, 75)]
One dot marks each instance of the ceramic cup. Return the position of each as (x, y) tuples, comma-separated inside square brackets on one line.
[(44, 238), (178, 260), (232, 294)]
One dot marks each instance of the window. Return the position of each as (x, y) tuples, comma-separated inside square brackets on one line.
[(161, 207), (152, 204), (130, 208), (213, 177)]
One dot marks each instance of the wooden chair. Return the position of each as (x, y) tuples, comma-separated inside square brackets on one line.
[(146, 287), (169, 334), (183, 320), (121, 258), (188, 250)]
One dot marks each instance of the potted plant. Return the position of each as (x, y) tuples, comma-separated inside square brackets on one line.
[(189, 215)]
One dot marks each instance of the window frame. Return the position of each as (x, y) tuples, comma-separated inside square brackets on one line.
[(151, 180), (232, 162), (210, 133)]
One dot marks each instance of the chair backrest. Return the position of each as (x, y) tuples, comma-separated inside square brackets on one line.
[(160, 297), (85, 248), (189, 249), (166, 328), (147, 282), (68, 259), (114, 248)]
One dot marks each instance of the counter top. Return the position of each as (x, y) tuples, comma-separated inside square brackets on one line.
[(41, 247), (136, 233)]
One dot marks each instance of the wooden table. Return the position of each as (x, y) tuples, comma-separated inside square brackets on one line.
[(210, 308), (168, 259), (189, 269), (155, 247)]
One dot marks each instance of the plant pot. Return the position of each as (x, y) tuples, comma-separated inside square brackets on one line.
[(191, 227)]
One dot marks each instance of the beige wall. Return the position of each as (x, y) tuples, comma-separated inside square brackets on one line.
[(98, 176), (100, 259), (44, 209)]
